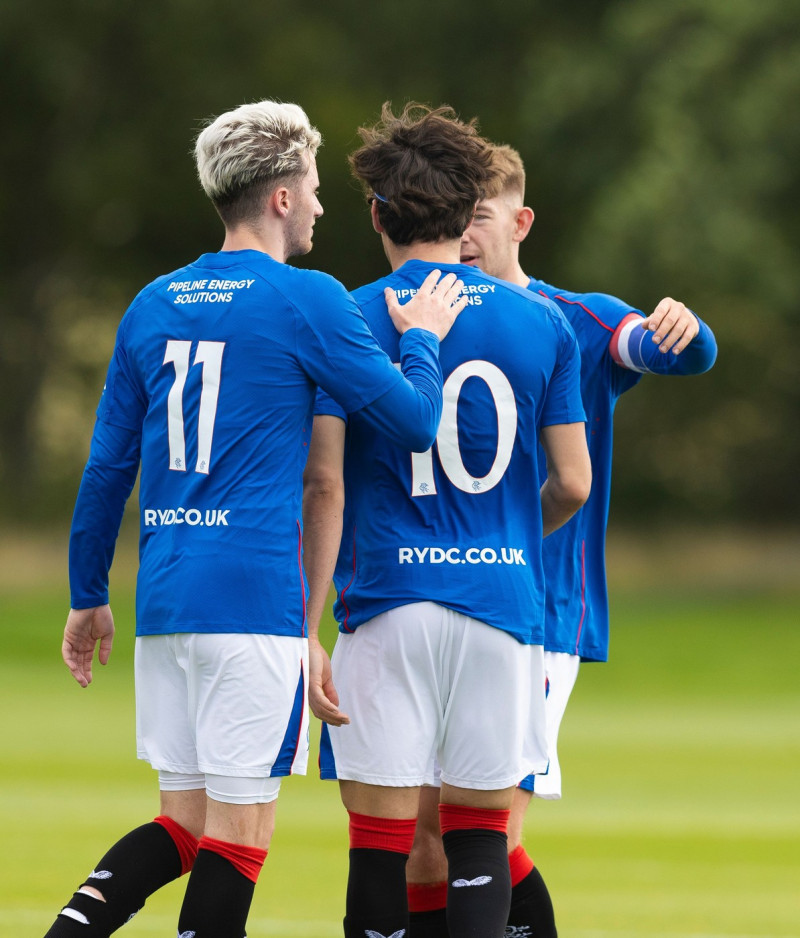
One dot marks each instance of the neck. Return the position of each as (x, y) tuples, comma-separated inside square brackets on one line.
[(515, 274), (433, 252), (243, 238)]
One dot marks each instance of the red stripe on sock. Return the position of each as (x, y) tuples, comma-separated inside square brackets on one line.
[(427, 897), (460, 817), (520, 864), (380, 833), (247, 860), (185, 842)]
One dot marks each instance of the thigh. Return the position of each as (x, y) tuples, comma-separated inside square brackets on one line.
[(562, 672), (165, 734), (386, 674), (249, 699), (379, 801), (494, 729), (223, 705)]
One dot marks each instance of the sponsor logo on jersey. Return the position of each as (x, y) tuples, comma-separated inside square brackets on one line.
[(208, 517), (206, 291), (472, 291), (509, 555)]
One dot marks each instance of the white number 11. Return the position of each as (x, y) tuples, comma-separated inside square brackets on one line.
[(209, 354)]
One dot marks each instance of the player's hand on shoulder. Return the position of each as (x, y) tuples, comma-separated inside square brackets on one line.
[(434, 306), (87, 629), (673, 325)]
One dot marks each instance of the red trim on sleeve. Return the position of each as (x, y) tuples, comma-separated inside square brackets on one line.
[(583, 596), (343, 593), (583, 306), (300, 568), (613, 345)]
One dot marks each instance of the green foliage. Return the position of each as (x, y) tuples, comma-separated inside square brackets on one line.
[(662, 155)]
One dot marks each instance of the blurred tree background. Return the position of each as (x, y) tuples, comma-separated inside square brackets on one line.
[(662, 144)]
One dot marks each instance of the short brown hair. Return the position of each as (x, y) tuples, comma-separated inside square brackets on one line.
[(507, 173), (426, 169)]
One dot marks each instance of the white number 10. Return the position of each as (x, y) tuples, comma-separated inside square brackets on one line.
[(422, 481), (210, 355)]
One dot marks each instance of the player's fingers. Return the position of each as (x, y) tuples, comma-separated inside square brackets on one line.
[(662, 309), (690, 331), (444, 285), (682, 329), (324, 710), (391, 298), (78, 667), (430, 282), (454, 293), (666, 325), (104, 651)]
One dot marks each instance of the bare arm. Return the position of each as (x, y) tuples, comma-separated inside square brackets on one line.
[(323, 502), (569, 473)]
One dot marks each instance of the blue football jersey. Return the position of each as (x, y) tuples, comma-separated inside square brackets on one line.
[(615, 353), (460, 524), (211, 387)]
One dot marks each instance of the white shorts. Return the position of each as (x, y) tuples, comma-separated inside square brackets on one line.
[(225, 705), (422, 682), (561, 671)]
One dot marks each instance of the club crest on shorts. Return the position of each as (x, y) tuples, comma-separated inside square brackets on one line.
[(376, 934)]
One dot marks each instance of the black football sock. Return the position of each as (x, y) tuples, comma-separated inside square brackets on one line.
[(133, 869), (479, 883), (376, 893), (429, 924), (377, 902), (220, 890), (427, 910), (532, 907)]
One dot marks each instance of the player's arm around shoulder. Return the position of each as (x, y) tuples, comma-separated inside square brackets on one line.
[(671, 340), (569, 473)]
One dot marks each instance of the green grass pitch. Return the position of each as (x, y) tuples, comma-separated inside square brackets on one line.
[(681, 813)]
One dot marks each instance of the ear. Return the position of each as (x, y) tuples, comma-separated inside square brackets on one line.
[(523, 223), (373, 211), (280, 201)]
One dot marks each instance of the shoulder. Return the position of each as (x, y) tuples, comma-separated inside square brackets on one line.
[(521, 299), (309, 295), (302, 282), (602, 310), (371, 292)]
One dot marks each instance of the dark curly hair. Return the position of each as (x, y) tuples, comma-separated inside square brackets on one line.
[(425, 168)]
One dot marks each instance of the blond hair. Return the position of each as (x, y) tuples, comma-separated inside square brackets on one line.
[(507, 173), (243, 153)]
